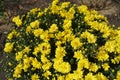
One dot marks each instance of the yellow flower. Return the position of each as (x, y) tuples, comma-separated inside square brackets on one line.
[(40, 14), (94, 12), (90, 37), (10, 79), (83, 9), (102, 55), (25, 67), (116, 60), (46, 66), (36, 50), (118, 46), (47, 74), (67, 24), (12, 34), (27, 49), (55, 2), (19, 56), (113, 45), (98, 16), (8, 47), (68, 35), (45, 48), (104, 28), (75, 43), (45, 36), (63, 13), (35, 77), (18, 34), (17, 21), (58, 60), (94, 24), (65, 5), (76, 75), (38, 32), (58, 43), (69, 76), (9, 63), (110, 46), (90, 76), (53, 28), (35, 24), (70, 14), (33, 11), (93, 67), (60, 77), (105, 66), (27, 60), (72, 10), (17, 71), (118, 75), (60, 52), (44, 59), (89, 18), (36, 64), (26, 63), (100, 76), (60, 35), (64, 67), (78, 55), (28, 29), (51, 35), (54, 7), (83, 63)]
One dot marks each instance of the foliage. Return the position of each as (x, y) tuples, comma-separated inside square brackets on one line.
[(62, 42), (1, 7)]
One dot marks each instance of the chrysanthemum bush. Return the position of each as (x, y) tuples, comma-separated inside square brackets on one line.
[(62, 42)]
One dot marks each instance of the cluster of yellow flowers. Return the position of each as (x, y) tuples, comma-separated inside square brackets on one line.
[(63, 42)]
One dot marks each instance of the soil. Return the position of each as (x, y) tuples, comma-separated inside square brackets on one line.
[(19, 7)]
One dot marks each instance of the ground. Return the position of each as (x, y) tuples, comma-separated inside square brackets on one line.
[(110, 9)]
